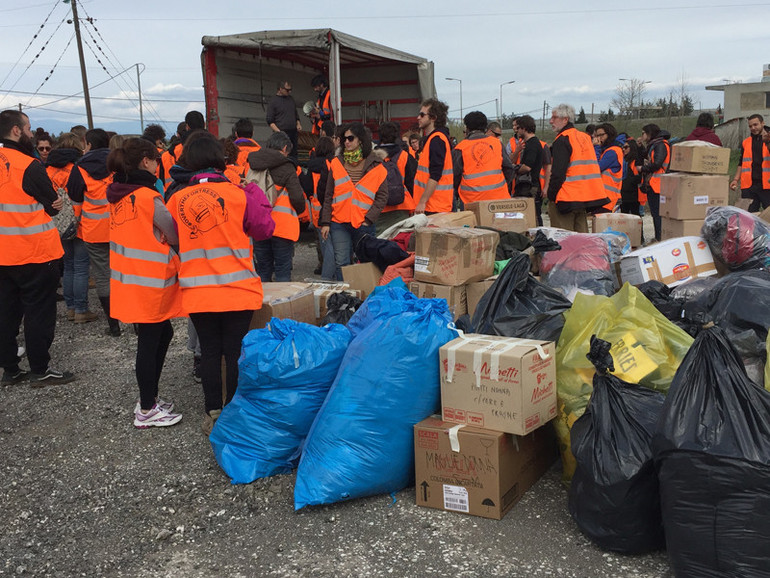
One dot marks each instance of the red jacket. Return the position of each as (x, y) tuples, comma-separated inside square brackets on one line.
[(705, 134)]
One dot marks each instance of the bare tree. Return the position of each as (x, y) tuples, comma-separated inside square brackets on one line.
[(629, 95)]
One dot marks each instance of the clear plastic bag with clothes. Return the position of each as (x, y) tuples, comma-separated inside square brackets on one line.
[(582, 265), (737, 239)]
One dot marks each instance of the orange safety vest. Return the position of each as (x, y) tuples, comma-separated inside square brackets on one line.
[(350, 202), (313, 204), (482, 178), (441, 199), (613, 179), (408, 203), (95, 216), (161, 150), (326, 108), (217, 264), (168, 159), (59, 177), (284, 216), (641, 195), (27, 234), (746, 160), (143, 283), (583, 182), (244, 150), (655, 177), (542, 168), (233, 174)]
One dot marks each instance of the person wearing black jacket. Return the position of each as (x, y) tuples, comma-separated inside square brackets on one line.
[(656, 163), (314, 184)]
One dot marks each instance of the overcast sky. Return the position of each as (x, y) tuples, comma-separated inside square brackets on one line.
[(558, 51)]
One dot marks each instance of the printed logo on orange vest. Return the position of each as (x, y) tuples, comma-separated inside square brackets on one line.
[(123, 211), (5, 169), (201, 210), (480, 152)]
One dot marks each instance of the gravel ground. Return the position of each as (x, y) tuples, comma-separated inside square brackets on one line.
[(83, 493)]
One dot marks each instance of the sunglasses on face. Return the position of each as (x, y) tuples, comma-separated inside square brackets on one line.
[(422, 114), (600, 134), (43, 149), (497, 134), (350, 137)]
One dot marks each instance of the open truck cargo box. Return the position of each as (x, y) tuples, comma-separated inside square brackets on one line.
[(369, 83)]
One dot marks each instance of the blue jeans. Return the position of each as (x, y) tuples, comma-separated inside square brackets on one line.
[(75, 278), (328, 267), (274, 255), (344, 237)]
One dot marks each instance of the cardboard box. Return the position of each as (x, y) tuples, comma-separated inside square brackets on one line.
[(765, 215), (454, 296), (475, 291), (454, 256), (448, 220), (499, 383), (672, 262), (285, 300), (673, 228), (363, 277), (700, 159), (631, 225), (476, 471), (322, 291), (516, 214), (684, 196)]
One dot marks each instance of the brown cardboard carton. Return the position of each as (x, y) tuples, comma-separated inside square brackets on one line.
[(765, 215), (448, 220), (363, 277), (700, 159), (671, 262), (455, 296), (477, 471), (454, 256), (673, 228), (684, 196), (631, 225), (475, 291), (322, 291), (516, 214), (500, 383), (286, 300)]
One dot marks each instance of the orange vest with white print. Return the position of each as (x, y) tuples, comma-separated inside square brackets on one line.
[(482, 178), (27, 234), (217, 265), (441, 199), (350, 202), (143, 285)]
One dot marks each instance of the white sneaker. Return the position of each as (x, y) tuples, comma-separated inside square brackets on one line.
[(161, 403), (156, 417)]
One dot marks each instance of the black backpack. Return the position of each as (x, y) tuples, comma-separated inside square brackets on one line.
[(395, 181)]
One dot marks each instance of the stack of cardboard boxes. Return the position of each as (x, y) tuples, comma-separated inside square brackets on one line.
[(698, 180), (490, 445)]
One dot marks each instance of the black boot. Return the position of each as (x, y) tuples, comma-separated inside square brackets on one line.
[(114, 324)]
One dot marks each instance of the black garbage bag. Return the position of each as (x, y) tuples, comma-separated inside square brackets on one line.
[(614, 495), (381, 252), (659, 295), (340, 308), (518, 305), (542, 244), (737, 239), (712, 452), (510, 243)]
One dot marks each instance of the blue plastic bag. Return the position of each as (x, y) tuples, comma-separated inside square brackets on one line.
[(384, 301), (285, 372), (361, 443)]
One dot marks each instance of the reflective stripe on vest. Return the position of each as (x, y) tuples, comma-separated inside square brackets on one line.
[(141, 281), (284, 216), (221, 279), (351, 203), (583, 181), (746, 162), (214, 253), (27, 234), (613, 179), (482, 178), (441, 199)]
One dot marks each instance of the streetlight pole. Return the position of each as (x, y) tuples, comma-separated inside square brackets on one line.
[(461, 94), (500, 116)]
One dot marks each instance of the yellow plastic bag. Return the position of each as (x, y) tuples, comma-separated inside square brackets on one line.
[(646, 348)]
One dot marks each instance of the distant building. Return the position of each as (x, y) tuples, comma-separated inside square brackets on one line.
[(741, 100)]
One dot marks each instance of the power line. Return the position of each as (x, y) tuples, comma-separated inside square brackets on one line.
[(66, 96), (50, 73)]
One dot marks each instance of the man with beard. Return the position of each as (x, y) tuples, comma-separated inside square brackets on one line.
[(753, 174), (29, 250)]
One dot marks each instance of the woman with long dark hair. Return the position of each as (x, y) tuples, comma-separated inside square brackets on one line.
[(143, 282)]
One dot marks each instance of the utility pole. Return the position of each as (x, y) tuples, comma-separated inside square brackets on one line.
[(86, 95), (542, 120), (139, 86)]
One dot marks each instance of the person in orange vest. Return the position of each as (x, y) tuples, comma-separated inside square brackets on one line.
[(217, 221), (243, 130), (29, 251), (156, 134), (576, 184), (193, 120), (610, 159), (433, 185), (482, 170), (143, 287), (87, 187), (753, 174), (323, 106), (233, 171), (657, 163), (390, 150), (314, 184), (356, 193), (275, 255), (61, 161), (630, 197)]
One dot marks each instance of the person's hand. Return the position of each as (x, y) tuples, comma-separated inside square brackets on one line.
[(733, 184), (325, 232), (299, 125), (58, 203), (420, 208)]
